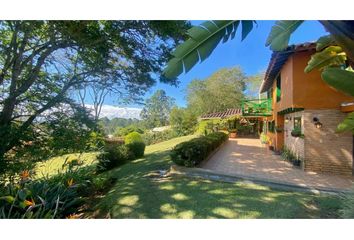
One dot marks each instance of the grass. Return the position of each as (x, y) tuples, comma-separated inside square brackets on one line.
[(54, 165), (137, 194)]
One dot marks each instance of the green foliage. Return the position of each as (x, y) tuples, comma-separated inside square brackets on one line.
[(208, 126), (183, 121), (264, 138), (194, 151), (157, 109), (121, 132), (330, 56), (340, 79), (279, 36), (324, 42), (113, 156), (116, 125), (219, 92), (103, 53), (348, 204), (202, 41), (44, 198), (137, 149), (133, 137), (156, 137), (296, 132), (347, 124), (288, 155)]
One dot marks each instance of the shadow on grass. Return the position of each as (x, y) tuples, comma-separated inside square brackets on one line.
[(136, 195)]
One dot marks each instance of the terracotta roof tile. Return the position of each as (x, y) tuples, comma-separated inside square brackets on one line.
[(228, 113)]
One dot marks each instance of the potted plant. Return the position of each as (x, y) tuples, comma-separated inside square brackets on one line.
[(233, 133), (296, 132), (264, 138), (278, 129)]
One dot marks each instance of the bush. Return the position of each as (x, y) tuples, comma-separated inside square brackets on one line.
[(194, 151), (113, 156), (348, 204), (137, 149), (156, 137), (133, 137)]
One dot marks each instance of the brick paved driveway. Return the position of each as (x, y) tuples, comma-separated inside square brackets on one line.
[(247, 157)]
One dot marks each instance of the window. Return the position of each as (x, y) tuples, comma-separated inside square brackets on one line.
[(278, 90), (271, 126), (297, 123)]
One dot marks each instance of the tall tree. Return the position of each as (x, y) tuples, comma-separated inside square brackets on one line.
[(222, 90), (42, 61), (183, 120), (157, 109), (253, 84)]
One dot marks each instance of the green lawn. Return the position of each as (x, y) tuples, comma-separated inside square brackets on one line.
[(54, 165), (137, 195)]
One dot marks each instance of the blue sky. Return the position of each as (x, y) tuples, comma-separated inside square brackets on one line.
[(251, 55)]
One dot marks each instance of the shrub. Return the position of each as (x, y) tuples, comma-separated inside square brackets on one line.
[(156, 137), (137, 149), (348, 204), (133, 137), (113, 156), (194, 151)]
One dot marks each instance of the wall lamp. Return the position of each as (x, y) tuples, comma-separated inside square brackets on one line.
[(317, 122), (287, 119)]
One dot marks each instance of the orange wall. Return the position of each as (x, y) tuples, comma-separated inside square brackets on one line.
[(302, 90), (309, 90)]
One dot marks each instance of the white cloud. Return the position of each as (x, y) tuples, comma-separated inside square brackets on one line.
[(110, 111)]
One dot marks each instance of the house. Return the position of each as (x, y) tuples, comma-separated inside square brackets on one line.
[(305, 112)]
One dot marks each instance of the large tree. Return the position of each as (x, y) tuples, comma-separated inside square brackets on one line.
[(222, 90), (157, 109), (41, 62)]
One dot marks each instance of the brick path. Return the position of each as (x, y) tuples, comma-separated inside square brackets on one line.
[(247, 157)]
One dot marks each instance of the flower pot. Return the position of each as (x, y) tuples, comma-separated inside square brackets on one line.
[(233, 135), (297, 163), (271, 148)]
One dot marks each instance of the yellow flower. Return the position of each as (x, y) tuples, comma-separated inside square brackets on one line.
[(70, 182), (29, 203)]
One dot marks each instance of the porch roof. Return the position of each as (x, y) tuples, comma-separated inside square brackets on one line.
[(277, 61), (228, 113)]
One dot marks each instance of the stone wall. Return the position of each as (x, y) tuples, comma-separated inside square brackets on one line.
[(325, 150)]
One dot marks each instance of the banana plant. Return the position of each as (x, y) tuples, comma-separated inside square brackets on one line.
[(202, 41)]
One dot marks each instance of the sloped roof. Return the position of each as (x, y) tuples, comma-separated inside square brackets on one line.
[(228, 113), (277, 61)]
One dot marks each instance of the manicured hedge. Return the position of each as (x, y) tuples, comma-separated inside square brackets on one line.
[(194, 151)]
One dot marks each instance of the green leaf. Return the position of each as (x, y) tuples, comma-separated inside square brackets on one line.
[(324, 42), (331, 56), (9, 199), (347, 124), (340, 79), (246, 28), (279, 36), (203, 40)]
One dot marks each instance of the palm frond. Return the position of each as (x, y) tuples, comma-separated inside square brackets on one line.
[(279, 36), (202, 42)]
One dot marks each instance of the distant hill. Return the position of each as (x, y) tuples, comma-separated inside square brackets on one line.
[(111, 112)]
